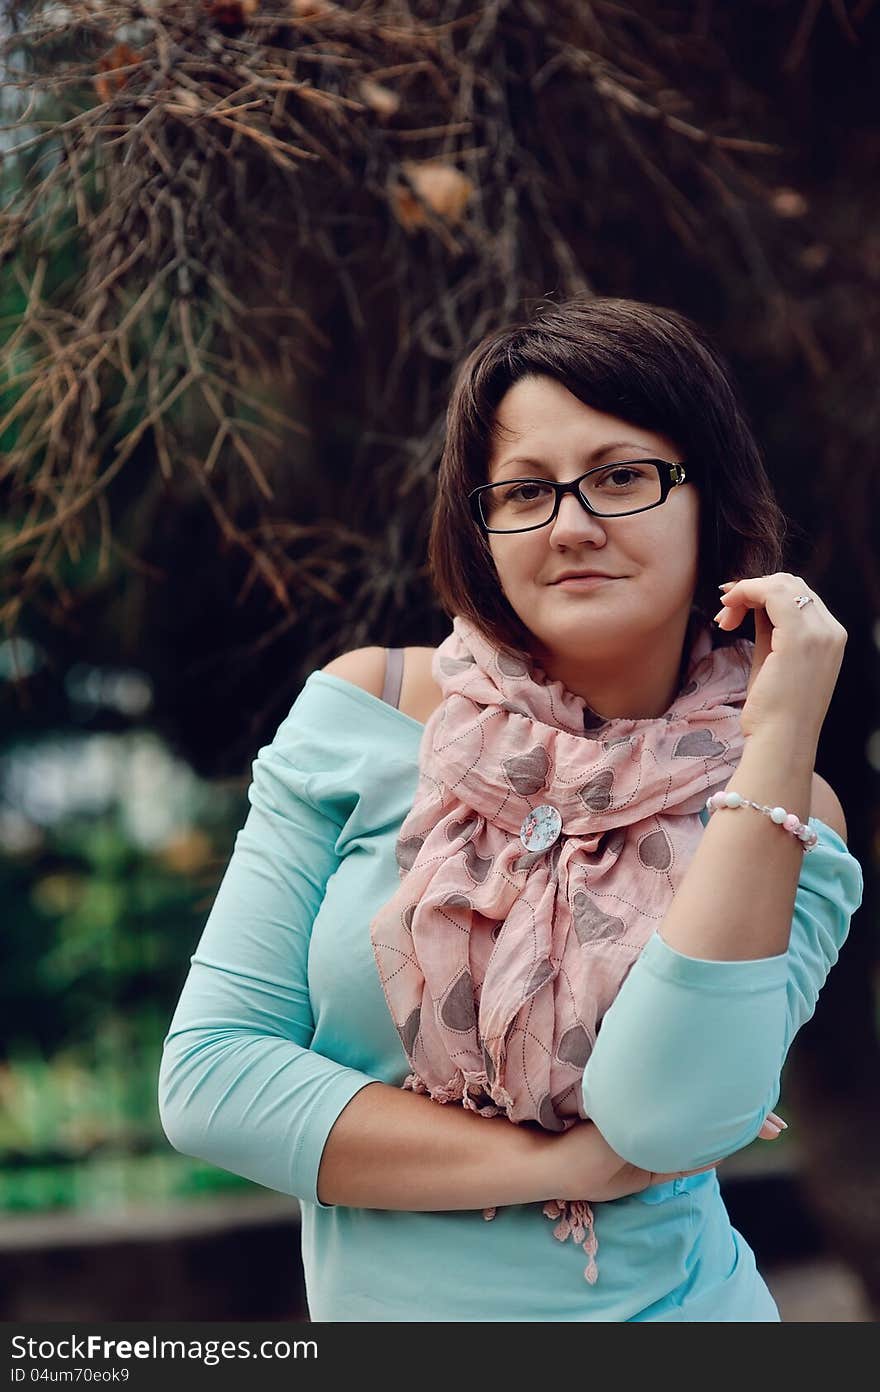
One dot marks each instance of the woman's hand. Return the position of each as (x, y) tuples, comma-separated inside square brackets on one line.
[(797, 657), (591, 1170)]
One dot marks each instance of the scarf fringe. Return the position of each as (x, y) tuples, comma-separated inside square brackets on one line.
[(576, 1221), (466, 1091)]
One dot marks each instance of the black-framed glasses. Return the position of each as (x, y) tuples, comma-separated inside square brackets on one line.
[(610, 490)]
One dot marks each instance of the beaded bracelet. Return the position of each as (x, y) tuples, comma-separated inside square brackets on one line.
[(805, 834)]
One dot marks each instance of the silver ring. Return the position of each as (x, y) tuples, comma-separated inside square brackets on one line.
[(802, 600)]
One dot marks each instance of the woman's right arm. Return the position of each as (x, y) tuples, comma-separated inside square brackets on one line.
[(385, 1152)]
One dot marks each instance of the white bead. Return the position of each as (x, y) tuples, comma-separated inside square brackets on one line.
[(733, 799), (778, 814)]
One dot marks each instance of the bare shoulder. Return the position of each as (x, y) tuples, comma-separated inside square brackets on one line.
[(363, 667), (825, 805)]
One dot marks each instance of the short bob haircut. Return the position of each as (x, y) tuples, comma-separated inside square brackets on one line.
[(650, 367)]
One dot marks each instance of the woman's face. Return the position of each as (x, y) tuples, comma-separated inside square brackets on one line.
[(543, 431)]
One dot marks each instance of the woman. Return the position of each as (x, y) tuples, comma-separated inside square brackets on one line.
[(283, 1062)]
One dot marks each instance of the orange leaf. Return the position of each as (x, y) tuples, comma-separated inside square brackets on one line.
[(121, 55), (441, 186), (382, 100)]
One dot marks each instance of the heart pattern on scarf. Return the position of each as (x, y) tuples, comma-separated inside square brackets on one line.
[(477, 866), (464, 829), (655, 850), (596, 794), (458, 1011), (698, 744), (616, 841), (410, 1029), (543, 972), (450, 665), (574, 1047), (590, 923), (527, 773), (406, 851), (511, 666)]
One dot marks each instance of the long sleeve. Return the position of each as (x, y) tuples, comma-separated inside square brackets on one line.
[(239, 1085), (688, 1059)]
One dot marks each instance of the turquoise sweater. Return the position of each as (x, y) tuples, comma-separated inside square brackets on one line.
[(282, 1020)]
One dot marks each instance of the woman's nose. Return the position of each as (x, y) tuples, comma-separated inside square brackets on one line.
[(574, 523)]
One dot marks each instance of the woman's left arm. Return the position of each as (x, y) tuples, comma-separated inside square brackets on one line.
[(688, 1060)]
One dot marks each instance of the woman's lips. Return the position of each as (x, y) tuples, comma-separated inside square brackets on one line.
[(583, 582)]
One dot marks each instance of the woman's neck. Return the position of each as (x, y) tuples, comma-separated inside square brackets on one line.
[(644, 690)]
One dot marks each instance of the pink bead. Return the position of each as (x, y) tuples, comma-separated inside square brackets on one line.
[(791, 822)]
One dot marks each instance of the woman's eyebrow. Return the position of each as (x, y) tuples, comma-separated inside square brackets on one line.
[(591, 457)]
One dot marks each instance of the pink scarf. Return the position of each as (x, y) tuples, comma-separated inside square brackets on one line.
[(498, 962)]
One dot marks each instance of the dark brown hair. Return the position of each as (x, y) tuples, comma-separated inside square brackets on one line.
[(648, 366)]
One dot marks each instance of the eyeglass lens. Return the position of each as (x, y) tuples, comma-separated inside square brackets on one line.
[(621, 488)]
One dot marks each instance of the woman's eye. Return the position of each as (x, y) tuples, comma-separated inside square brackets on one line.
[(527, 492)]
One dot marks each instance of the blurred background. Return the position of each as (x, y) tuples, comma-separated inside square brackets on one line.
[(244, 245)]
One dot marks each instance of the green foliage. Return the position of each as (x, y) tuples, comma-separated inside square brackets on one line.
[(99, 931), (98, 924), (112, 1183)]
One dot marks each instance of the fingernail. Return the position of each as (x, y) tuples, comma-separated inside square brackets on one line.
[(728, 584), (775, 1129), (719, 615)]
